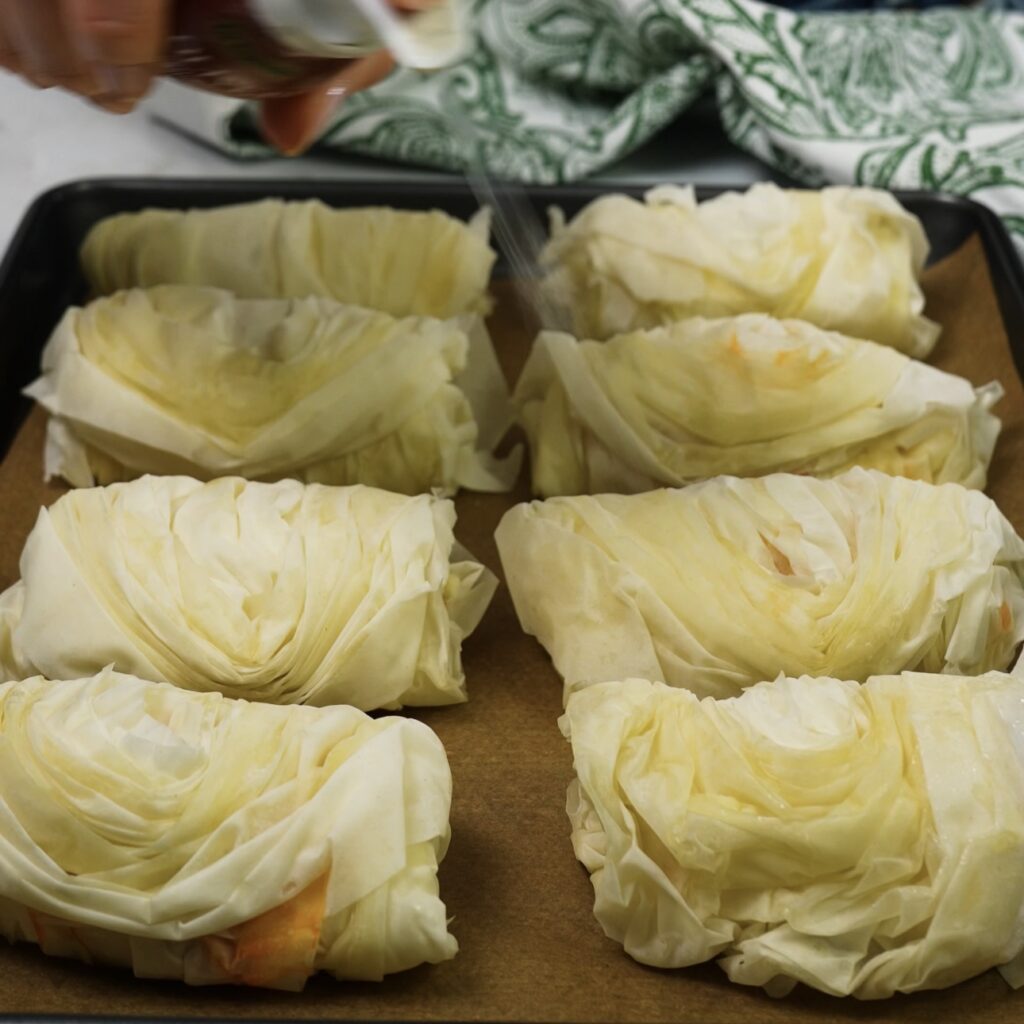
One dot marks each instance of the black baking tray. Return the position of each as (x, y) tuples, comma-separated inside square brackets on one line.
[(40, 276)]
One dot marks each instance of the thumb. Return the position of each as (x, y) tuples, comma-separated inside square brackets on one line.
[(292, 124)]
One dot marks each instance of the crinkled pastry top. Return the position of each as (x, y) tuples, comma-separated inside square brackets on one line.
[(720, 585), (180, 379), (846, 259), (743, 396), (213, 840), (274, 592), (403, 262), (864, 840)]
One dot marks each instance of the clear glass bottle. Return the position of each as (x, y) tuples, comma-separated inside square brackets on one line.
[(258, 49)]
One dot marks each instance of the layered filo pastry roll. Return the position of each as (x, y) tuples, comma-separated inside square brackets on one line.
[(403, 262), (861, 839), (846, 259), (743, 396), (720, 585), (190, 380), (192, 837), (285, 593)]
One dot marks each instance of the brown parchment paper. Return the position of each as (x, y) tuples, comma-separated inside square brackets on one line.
[(531, 949)]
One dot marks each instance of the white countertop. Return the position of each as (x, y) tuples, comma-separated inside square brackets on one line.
[(48, 138)]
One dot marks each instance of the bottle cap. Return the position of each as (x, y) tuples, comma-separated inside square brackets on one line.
[(425, 40)]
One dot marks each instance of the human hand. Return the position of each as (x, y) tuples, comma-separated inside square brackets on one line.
[(106, 50), (110, 50)]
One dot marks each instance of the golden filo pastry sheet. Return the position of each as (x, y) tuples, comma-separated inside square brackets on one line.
[(846, 259), (743, 396), (286, 593), (720, 585), (403, 262), (214, 841), (189, 380), (861, 839)]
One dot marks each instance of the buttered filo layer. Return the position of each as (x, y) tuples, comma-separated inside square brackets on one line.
[(743, 396), (274, 592), (864, 840), (210, 840), (720, 585), (403, 262), (195, 381), (846, 259)]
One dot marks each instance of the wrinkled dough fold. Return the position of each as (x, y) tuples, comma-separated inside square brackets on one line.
[(863, 840), (218, 841), (720, 585), (846, 259), (192, 380), (403, 262), (285, 593), (743, 396)]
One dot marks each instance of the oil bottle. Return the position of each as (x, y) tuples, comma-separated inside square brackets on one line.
[(259, 49)]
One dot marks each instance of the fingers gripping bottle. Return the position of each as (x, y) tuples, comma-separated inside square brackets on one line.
[(258, 49)]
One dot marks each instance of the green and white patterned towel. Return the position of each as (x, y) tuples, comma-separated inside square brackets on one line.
[(556, 89)]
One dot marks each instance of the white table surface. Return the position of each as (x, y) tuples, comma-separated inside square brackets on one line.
[(49, 137)]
